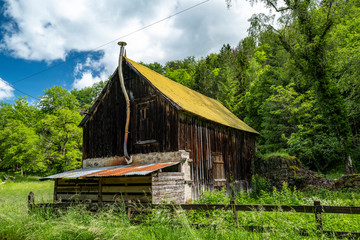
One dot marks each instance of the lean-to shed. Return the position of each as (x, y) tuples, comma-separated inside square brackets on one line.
[(180, 142)]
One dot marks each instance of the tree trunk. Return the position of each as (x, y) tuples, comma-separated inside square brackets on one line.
[(349, 166)]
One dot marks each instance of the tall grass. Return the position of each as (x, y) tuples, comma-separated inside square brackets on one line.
[(77, 223)]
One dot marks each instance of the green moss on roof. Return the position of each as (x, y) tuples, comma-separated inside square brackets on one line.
[(192, 101)]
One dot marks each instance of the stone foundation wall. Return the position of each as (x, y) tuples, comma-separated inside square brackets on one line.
[(168, 187), (277, 169), (138, 159)]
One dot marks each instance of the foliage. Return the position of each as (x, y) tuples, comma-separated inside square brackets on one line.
[(76, 223), (214, 197), (19, 147), (304, 29), (62, 139), (57, 98), (320, 152), (259, 185), (87, 95), (42, 139)]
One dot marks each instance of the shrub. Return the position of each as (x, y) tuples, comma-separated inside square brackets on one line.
[(259, 185), (321, 152)]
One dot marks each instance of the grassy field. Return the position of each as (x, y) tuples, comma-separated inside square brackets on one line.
[(76, 223)]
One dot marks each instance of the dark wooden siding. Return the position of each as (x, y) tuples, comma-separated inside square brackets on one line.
[(204, 140), (153, 121)]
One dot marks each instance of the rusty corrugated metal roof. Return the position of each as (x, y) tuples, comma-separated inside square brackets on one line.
[(112, 171)]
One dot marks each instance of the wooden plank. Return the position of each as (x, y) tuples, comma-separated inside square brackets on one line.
[(78, 188), (128, 189), (55, 190), (89, 181), (145, 179), (341, 209), (70, 188), (266, 208), (78, 197), (100, 190)]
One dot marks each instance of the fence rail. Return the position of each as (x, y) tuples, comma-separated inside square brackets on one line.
[(316, 209)]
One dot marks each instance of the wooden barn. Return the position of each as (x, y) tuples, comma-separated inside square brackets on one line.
[(148, 138)]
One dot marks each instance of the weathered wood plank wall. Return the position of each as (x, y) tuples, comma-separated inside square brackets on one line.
[(210, 142), (103, 189)]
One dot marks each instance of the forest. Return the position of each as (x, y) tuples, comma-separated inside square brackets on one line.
[(295, 79)]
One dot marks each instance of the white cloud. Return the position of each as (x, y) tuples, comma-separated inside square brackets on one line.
[(89, 63), (6, 91), (87, 80), (49, 30)]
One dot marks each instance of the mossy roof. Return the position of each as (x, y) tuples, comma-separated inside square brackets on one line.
[(191, 101)]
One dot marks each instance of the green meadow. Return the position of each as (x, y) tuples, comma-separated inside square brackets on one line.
[(76, 223)]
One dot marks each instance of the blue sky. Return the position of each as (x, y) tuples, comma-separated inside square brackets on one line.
[(73, 43)]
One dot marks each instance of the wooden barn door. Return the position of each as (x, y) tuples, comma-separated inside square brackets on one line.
[(218, 170), (145, 124), (145, 139)]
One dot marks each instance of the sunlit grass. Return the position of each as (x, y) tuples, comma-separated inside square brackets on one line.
[(76, 223)]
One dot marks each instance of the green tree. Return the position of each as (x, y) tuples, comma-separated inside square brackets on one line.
[(56, 98), (181, 71), (6, 113), (61, 140), (19, 148), (157, 67), (87, 95), (24, 112), (303, 33), (344, 57)]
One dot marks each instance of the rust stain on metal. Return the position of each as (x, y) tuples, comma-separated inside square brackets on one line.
[(129, 170), (112, 171)]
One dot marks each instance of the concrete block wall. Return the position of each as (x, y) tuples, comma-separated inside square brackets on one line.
[(168, 187)]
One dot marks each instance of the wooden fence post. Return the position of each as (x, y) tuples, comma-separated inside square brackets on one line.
[(318, 216), (129, 209), (236, 217), (31, 201)]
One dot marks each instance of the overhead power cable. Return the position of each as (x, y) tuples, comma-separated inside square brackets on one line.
[(103, 45), (5, 82)]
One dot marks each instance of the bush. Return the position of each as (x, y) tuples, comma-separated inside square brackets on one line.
[(320, 152), (259, 185), (214, 197)]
